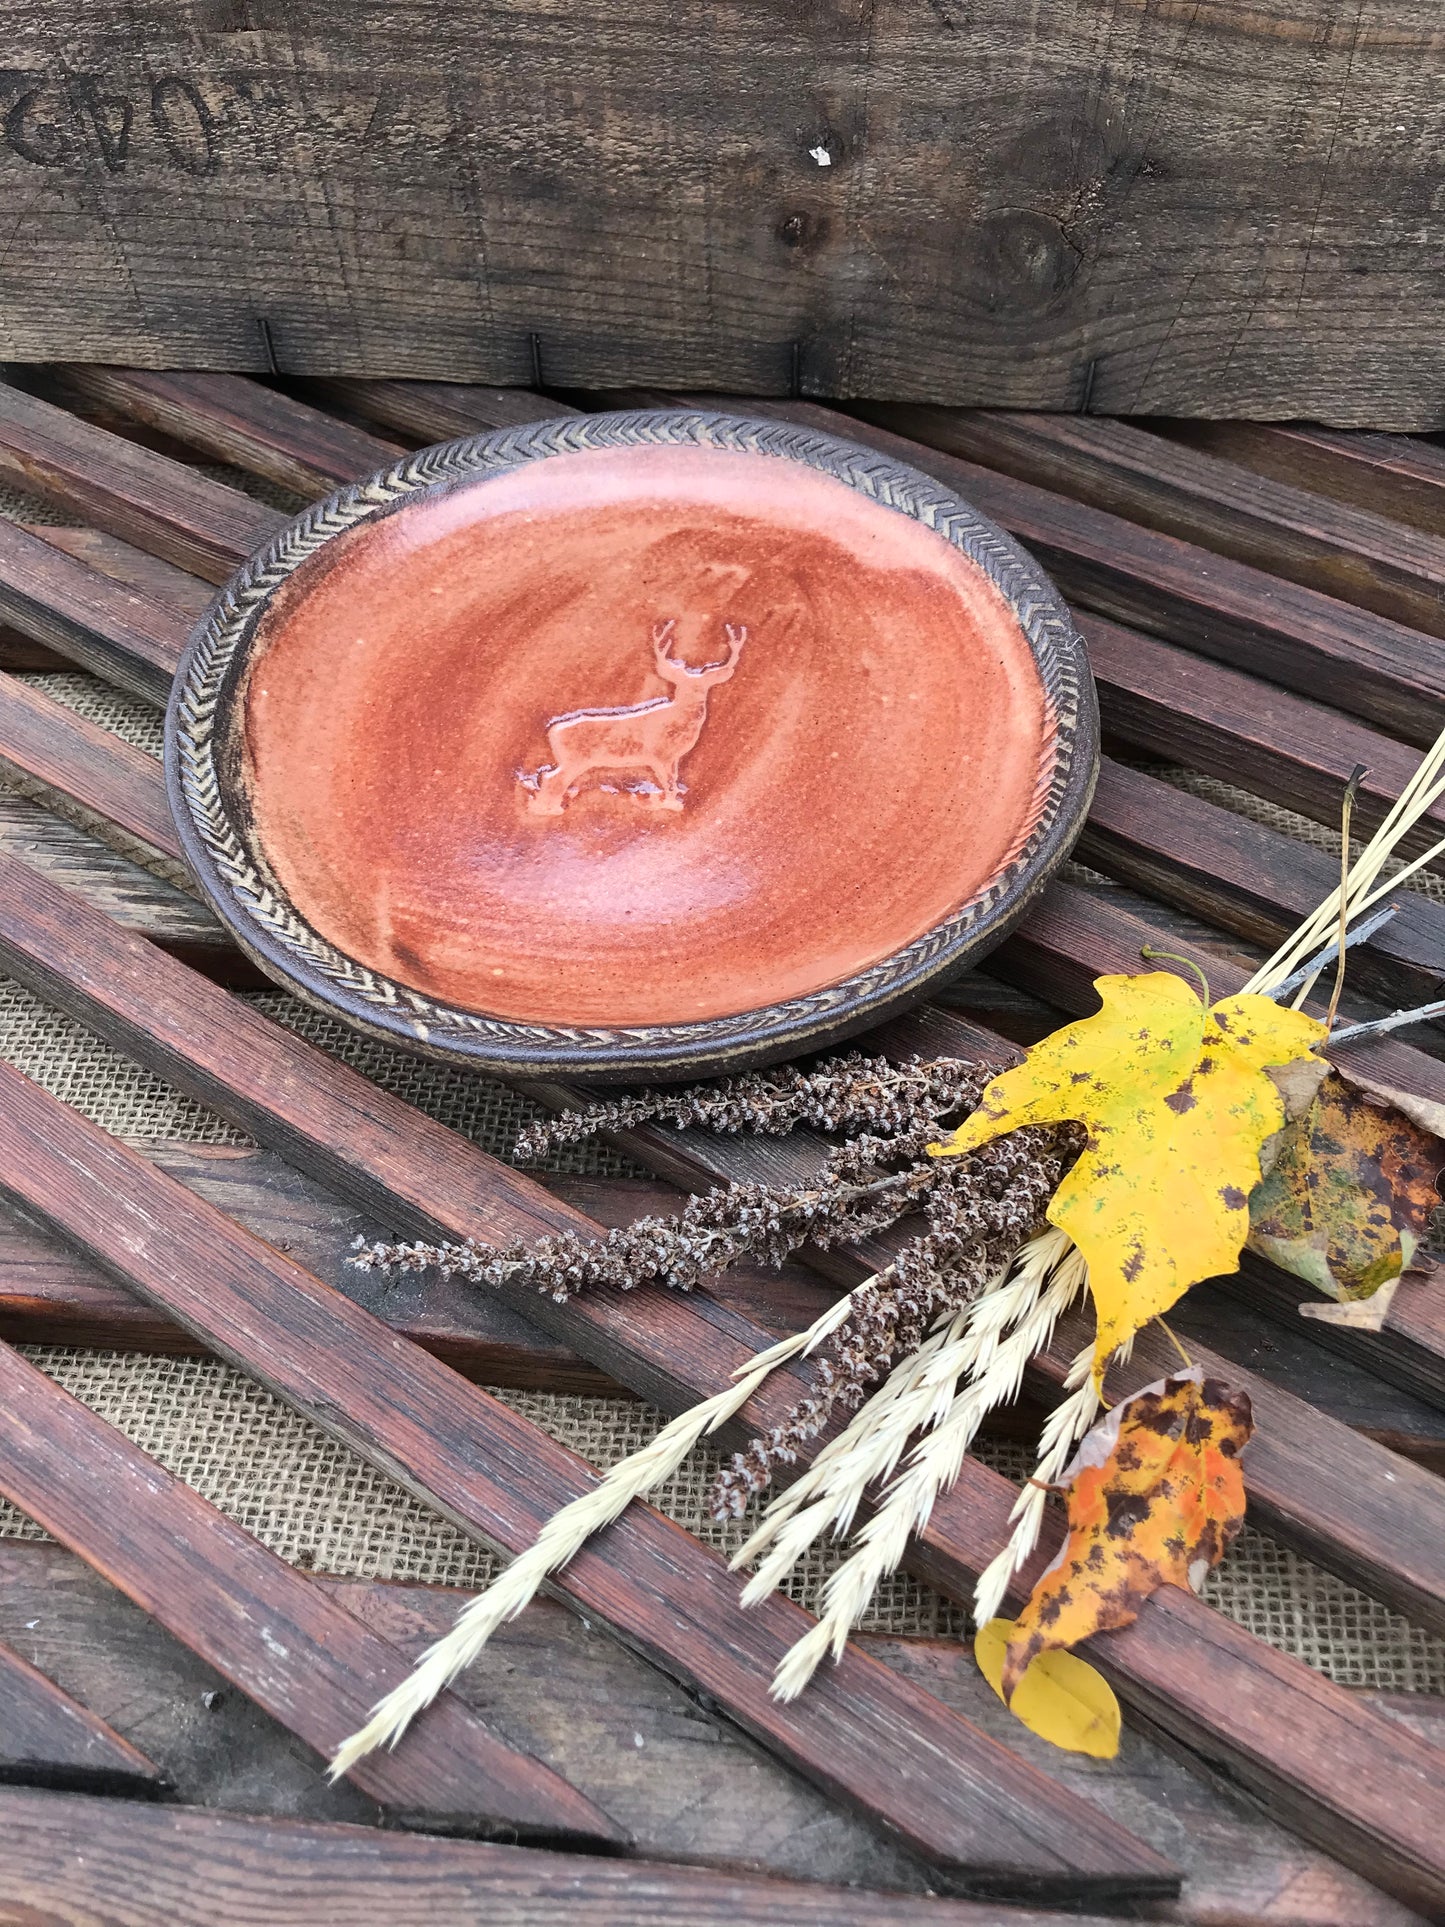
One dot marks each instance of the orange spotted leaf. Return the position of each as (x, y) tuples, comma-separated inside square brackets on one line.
[(1155, 1495)]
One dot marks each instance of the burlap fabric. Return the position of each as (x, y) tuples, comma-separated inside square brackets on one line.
[(323, 1508)]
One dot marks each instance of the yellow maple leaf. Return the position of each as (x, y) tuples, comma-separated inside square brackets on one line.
[(1061, 1697), (1177, 1104)]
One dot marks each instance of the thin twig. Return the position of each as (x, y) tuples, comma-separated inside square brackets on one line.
[(1347, 810), (1381, 1026), (1361, 933)]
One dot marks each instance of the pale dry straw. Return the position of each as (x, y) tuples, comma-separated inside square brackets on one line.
[(1051, 1276), (563, 1536)]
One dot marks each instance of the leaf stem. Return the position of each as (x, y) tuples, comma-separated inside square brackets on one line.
[(1170, 956)]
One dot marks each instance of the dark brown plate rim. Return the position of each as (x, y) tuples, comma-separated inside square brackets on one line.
[(203, 766)]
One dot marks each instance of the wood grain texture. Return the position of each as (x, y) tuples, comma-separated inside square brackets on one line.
[(437, 411), (115, 631), (264, 1626), (49, 1739), (80, 1861), (1188, 710), (1227, 213), (692, 1790), (925, 1776), (1251, 880), (46, 747), (135, 897), (127, 490), (240, 421), (1355, 554), (1389, 475)]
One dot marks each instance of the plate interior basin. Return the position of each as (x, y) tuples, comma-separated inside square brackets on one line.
[(638, 735)]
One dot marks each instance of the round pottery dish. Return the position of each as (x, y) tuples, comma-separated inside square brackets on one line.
[(630, 746)]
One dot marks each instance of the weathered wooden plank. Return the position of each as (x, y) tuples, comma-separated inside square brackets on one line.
[(49, 1294), (1186, 709), (116, 631), (76, 1859), (263, 1625), (686, 1786), (50, 1739), (1389, 475), (129, 491), (134, 897), (672, 1349), (1249, 879), (438, 411), (1124, 228), (110, 784), (241, 421), (1352, 553), (162, 581), (926, 1776), (1373, 668)]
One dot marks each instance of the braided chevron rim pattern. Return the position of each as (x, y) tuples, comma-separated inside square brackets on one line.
[(221, 847)]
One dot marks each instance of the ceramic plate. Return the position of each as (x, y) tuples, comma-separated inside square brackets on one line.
[(630, 745)]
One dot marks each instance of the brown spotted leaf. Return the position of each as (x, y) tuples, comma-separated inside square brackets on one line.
[(1155, 1496), (1349, 1196)]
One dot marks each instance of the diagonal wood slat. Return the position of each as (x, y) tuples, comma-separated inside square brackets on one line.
[(129, 491), (670, 1348), (240, 421), (49, 1739), (940, 1785), (1353, 553), (117, 632), (1187, 709), (264, 1626), (75, 1859), (1399, 476)]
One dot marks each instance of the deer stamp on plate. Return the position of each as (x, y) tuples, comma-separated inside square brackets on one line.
[(630, 745)]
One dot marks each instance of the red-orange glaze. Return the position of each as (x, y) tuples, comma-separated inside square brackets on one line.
[(874, 754)]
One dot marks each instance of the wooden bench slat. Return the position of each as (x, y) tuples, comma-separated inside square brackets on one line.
[(961, 1800), (115, 631), (240, 421), (669, 1348), (1400, 476), (1352, 553), (129, 1865), (263, 1625), (1249, 879), (50, 1739), (130, 491), (1187, 709), (115, 785), (437, 411)]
